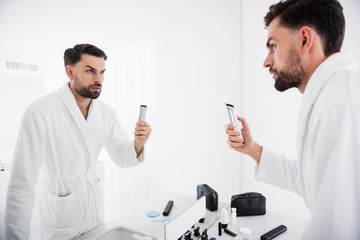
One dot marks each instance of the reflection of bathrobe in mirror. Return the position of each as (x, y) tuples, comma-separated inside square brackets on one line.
[(327, 173), (57, 144)]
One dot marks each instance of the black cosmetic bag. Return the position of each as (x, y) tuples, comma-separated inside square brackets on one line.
[(210, 194), (249, 204)]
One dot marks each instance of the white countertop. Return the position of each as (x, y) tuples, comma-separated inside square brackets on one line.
[(136, 219)]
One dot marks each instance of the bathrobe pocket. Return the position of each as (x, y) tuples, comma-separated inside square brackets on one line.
[(63, 211)]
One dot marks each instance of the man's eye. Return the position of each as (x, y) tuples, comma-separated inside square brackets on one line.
[(89, 71), (273, 47)]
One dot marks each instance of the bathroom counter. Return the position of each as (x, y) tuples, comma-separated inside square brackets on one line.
[(136, 219)]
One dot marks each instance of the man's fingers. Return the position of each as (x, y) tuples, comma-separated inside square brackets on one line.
[(243, 122), (143, 123), (235, 139), (141, 128), (142, 132), (229, 126), (235, 145), (232, 133)]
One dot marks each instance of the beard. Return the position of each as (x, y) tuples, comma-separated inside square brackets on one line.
[(85, 91), (292, 77)]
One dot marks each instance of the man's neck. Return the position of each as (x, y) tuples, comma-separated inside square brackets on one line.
[(315, 63), (84, 105), (82, 102)]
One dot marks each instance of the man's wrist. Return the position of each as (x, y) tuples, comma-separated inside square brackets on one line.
[(255, 152), (138, 148)]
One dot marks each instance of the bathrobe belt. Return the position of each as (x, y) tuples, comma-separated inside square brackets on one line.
[(87, 180)]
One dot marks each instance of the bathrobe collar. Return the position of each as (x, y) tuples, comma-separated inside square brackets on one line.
[(331, 65), (69, 101), (69, 97)]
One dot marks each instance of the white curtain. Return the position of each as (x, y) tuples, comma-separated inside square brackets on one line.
[(128, 80)]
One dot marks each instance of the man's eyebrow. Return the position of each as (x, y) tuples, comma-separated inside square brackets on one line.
[(90, 67), (94, 68)]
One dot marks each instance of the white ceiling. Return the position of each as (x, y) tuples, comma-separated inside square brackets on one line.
[(30, 28)]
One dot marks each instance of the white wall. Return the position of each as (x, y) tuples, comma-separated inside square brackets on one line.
[(16, 96), (352, 32)]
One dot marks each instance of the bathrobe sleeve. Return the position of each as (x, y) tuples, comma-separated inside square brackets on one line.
[(119, 147), (279, 171), (334, 172), (28, 158)]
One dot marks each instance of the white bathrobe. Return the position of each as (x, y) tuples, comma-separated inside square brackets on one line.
[(60, 148), (327, 173)]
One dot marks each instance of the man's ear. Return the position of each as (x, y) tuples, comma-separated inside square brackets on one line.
[(307, 38), (70, 71)]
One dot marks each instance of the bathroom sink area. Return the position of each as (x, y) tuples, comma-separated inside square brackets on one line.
[(135, 224), (122, 233)]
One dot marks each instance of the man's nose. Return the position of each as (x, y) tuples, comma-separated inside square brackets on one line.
[(268, 61), (98, 78)]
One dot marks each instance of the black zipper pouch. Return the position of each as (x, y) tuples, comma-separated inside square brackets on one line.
[(210, 194), (249, 204)]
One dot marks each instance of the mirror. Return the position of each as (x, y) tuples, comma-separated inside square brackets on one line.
[(177, 57)]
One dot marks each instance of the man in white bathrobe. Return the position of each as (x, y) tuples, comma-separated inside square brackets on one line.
[(304, 42), (58, 147)]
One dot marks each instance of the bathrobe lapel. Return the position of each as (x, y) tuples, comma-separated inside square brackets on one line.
[(69, 101)]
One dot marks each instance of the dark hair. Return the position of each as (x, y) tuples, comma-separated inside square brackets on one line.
[(73, 55), (324, 16)]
